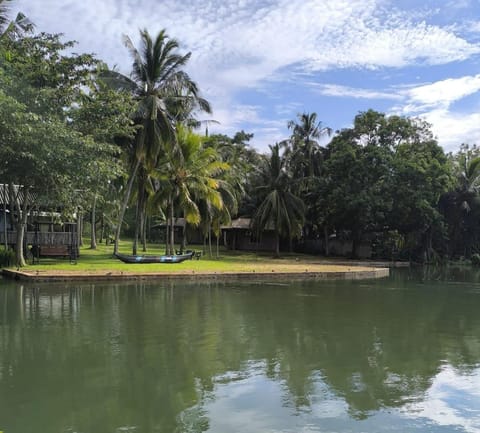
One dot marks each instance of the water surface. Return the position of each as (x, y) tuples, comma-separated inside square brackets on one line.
[(395, 355)]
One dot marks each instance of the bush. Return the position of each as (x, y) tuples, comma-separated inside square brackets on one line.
[(475, 259), (7, 257)]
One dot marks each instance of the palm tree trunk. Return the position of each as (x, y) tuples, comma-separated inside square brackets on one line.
[(93, 238), (144, 231), (184, 237), (135, 236), (172, 229), (167, 235), (139, 212), (123, 208), (210, 239)]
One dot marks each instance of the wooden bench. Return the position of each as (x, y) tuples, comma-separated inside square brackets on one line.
[(54, 251)]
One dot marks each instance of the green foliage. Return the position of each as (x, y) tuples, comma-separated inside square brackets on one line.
[(164, 94), (384, 174), (57, 127), (475, 259), (460, 206), (7, 257), (77, 134), (189, 179), (280, 210)]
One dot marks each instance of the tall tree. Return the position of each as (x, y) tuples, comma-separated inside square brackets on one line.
[(280, 209), (386, 174), (104, 115), (162, 88), (189, 173), (305, 157), (304, 150), (461, 204), (12, 28), (40, 84), (45, 157)]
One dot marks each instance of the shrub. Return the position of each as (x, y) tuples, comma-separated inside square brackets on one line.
[(7, 257), (475, 259)]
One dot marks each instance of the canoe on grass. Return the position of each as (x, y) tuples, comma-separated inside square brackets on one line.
[(154, 259)]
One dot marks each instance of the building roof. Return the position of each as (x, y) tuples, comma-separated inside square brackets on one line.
[(177, 222), (239, 224)]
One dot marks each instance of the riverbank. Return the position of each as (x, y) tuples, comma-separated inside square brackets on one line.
[(318, 272), (99, 264)]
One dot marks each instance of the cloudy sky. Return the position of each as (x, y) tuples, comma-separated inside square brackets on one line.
[(260, 62)]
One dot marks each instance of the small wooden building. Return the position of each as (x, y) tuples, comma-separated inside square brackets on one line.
[(44, 227), (240, 235)]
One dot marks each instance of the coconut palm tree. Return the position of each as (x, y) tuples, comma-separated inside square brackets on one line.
[(189, 173), (305, 154), (281, 209), (466, 197), (4, 13), (19, 25), (163, 89)]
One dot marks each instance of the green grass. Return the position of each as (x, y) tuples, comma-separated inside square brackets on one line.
[(101, 261)]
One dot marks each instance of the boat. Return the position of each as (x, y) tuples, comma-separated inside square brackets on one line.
[(177, 258)]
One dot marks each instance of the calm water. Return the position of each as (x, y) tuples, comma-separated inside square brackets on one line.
[(397, 355)]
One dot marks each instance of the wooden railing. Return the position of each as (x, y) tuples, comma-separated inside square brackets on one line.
[(40, 238)]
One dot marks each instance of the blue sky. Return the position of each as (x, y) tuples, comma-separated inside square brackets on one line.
[(260, 62)]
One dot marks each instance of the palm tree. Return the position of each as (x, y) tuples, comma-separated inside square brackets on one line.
[(305, 154), (4, 12), (20, 25), (466, 196), (163, 90), (281, 209), (305, 161), (188, 174)]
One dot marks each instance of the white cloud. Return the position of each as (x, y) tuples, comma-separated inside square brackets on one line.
[(232, 120), (473, 26), (358, 93), (453, 129), (241, 44), (443, 93), (459, 4), (432, 102)]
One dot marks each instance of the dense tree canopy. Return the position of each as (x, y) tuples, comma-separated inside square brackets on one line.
[(46, 148), (77, 135)]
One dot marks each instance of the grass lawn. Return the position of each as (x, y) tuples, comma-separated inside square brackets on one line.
[(101, 262)]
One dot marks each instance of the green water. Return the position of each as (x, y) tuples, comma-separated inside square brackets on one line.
[(397, 355)]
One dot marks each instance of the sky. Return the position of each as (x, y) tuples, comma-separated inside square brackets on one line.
[(262, 62)]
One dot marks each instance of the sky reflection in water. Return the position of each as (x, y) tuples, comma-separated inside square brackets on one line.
[(398, 355)]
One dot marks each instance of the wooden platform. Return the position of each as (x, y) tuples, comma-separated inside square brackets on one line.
[(350, 273)]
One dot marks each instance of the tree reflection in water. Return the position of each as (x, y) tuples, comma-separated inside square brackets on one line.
[(188, 357)]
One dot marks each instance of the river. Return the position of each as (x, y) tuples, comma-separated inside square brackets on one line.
[(401, 354)]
